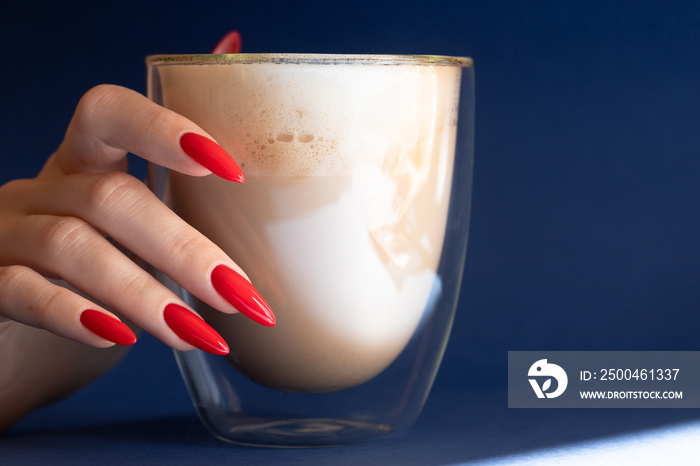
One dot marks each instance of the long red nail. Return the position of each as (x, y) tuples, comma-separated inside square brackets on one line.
[(242, 295), (192, 329), (107, 327), (230, 43), (211, 156)]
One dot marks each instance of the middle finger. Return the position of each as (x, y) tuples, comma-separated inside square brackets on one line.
[(71, 249), (127, 211)]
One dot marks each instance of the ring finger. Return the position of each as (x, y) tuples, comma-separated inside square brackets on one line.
[(71, 249)]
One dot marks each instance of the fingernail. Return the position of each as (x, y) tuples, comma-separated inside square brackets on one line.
[(107, 327), (211, 156), (192, 329), (230, 43), (242, 295)]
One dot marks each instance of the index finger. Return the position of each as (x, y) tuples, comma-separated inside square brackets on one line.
[(111, 121)]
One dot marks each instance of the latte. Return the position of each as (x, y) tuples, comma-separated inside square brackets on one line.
[(341, 219)]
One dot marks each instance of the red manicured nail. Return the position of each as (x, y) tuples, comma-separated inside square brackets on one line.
[(242, 295), (107, 327), (211, 156), (192, 329), (231, 43)]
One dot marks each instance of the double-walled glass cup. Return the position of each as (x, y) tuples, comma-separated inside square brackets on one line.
[(352, 223)]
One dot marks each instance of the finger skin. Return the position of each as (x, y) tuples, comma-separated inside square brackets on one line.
[(38, 367), (57, 224), (70, 248), (28, 298), (123, 208), (111, 121)]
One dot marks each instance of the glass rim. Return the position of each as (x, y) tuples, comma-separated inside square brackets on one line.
[(307, 58)]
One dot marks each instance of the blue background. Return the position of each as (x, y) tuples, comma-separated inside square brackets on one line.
[(585, 220)]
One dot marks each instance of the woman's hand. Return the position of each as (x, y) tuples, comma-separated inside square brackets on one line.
[(73, 223)]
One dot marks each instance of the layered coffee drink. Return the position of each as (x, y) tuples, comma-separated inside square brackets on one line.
[(342, 216)]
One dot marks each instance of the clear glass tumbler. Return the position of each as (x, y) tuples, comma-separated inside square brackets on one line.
[(352, 223)]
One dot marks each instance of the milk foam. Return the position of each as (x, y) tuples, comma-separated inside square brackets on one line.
[(342, 216)]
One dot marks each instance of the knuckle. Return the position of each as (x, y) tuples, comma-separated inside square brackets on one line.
[(62, 236), (22, 289), (47, 303), (134, 287), (154, 119), (113, 189), (151, 120), (14, 280), (187, 245), (144, 115), (11, 278), (95, 101)]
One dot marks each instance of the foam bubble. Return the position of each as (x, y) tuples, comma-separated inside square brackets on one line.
[(293, 121)]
